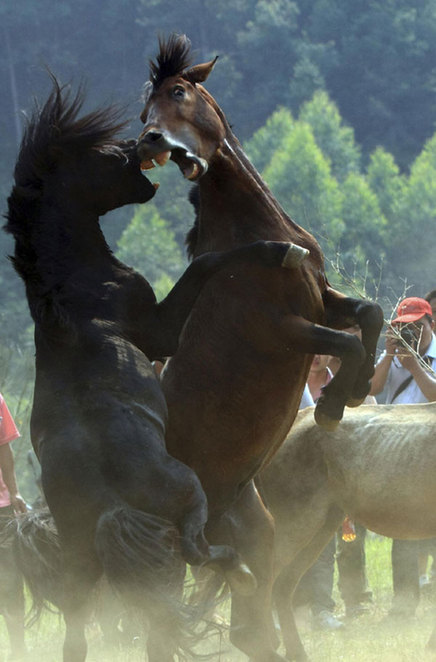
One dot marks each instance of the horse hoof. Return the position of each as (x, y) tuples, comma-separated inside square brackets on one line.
[(294, 256), (325, 421), (241, 580), (355, 402)]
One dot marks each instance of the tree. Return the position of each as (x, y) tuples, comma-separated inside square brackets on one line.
[(300, 177), (335, 140), (269, 138), (415, 253), (362, 245), (380, 69), (148, 245)]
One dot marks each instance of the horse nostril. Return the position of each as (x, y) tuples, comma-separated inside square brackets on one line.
[(152, 136)]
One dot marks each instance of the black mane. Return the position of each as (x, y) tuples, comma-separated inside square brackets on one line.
[(173, 59), (56, 129)]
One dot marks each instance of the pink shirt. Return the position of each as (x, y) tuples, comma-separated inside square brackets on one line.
[(8, 432)]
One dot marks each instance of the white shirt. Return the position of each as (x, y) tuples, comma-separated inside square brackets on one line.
[(306, 398), (412, 394)]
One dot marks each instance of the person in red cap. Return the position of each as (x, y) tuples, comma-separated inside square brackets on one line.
[(11, 503), (399, 370), (406, 369)]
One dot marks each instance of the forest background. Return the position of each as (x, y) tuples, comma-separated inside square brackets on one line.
[(333, 100)]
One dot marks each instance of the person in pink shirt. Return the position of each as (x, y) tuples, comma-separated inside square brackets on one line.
[(11, 504)]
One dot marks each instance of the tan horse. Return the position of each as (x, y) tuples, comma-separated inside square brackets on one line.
[(379, 467)]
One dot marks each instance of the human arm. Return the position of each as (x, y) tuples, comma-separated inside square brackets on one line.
[(8, 472), (423, 378), (381, 370)]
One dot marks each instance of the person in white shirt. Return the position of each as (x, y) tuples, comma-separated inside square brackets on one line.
[(407, 370), (401, 370)]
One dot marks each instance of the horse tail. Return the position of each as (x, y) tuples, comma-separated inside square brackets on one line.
[(141, 557), (38, 557)]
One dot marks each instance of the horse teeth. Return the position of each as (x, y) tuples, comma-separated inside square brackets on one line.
[(156, 185), (147, 165), (195, 171), (162, 158)]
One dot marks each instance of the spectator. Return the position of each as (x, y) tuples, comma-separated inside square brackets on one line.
[(428, 547), (11, 503), (431, 298), (402, 370)]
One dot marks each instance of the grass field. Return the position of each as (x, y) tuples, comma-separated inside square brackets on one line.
[(370, 638)]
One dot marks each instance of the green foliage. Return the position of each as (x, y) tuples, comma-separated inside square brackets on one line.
[(335, 140), (269, 138), (300, 176), (148, 245), (361, 247)]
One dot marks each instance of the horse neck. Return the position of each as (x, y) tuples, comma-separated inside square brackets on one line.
[(57, 245), (236, 206)]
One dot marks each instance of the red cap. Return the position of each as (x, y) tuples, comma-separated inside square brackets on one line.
[(412, 309)]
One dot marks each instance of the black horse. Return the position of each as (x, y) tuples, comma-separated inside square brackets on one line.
[(122, 506)]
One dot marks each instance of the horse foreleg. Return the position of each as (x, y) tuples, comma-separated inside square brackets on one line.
[(310, 338), (343, 312), (166, 320)]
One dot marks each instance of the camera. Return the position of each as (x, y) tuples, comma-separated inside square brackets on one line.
[(408, 336)]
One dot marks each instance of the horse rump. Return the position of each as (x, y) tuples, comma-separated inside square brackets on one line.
[(141, 557), (38, 557)]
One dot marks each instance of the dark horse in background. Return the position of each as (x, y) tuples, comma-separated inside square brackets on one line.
[(234, 387), (121, 504)]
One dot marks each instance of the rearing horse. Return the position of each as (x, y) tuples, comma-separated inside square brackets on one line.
[(122, 505), (234, 387)]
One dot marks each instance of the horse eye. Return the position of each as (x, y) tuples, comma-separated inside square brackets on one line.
[(179, 91)]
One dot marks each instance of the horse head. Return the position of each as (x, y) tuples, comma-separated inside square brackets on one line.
[(175, 99), (79, 159), (106, 177)]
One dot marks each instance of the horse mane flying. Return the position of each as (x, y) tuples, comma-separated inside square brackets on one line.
[(56, 129), (52, 133), (173, 59)]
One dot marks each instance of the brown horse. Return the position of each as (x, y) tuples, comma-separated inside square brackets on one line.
[(379, 467), (234, 387), (122, 505)]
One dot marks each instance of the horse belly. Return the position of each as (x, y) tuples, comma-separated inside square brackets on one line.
[(401, 508)]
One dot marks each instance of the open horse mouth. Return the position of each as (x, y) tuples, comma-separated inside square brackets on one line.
[(192, 167), (157, 149)]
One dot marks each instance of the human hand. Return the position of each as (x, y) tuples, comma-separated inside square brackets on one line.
[(407, 358), (18, 503), (392, 341)]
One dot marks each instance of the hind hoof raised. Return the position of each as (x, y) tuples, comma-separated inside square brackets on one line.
[(241, 580), (325, 421)]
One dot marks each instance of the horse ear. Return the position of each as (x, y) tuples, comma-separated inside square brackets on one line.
[(200, 72)]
